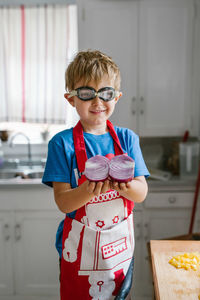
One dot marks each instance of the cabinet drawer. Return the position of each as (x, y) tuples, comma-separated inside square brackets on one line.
[(169, 200)]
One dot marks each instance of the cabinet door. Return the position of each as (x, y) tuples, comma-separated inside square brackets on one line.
[(165, 53), (142, 287), (112, 27), (137, 272), (36, 259), (6, 261)]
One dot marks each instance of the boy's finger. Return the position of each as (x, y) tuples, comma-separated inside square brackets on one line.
[(98, 188), (91, 187), (115, 184), (128, 184), (105, 187), (122, 186)]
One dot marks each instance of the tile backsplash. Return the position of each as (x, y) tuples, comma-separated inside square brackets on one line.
[(21, 151), (162, 153)]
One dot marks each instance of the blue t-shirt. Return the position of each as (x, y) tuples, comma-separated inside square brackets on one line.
[(61, 165)]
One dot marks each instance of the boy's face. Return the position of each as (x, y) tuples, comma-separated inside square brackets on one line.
[(94, 113)]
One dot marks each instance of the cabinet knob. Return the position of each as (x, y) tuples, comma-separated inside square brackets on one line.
[(142, 105), (146, 231), (6, 232), (172, 199), (17, 232), (138, 230), (133, 105)]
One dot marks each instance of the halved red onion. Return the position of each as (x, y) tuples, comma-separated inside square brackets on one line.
[(122, 168), (96, 168)]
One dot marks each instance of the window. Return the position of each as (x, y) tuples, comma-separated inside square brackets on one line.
[(36, 45)]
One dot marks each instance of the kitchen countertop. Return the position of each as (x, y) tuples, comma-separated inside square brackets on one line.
[(175, 183)]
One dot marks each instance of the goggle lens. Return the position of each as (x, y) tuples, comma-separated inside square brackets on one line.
[(107, 95), (85, 93)]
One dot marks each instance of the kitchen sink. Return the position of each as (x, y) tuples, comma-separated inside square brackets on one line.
[(7, 175), (35, 175), (22, 169), (27, 173)]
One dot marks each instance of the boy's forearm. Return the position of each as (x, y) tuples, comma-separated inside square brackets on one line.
[(71, 199), (68, 199)]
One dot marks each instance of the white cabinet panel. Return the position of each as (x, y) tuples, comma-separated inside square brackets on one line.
[(165, 66), (169, 200), (167, 223), (35, 257), (112, 27), (152, 42), (6, 259), (137, 273)]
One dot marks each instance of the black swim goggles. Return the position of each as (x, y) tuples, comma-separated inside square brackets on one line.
[(87, 93)]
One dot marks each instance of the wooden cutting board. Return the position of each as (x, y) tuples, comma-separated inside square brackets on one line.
[(171, 283)]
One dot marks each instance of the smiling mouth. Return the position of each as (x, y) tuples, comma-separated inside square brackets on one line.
[(97, 111)]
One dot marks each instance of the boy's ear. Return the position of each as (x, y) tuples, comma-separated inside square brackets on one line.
[(117, 98), (70, 100)]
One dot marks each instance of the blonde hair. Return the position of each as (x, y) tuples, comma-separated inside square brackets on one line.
[(91, 65)]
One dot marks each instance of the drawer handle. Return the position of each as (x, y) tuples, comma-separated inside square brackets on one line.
[(6, 232), (172, 199), (17, 232), (133, 105)]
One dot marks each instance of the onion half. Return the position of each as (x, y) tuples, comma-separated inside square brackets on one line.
[(97, 168), (121, 168)]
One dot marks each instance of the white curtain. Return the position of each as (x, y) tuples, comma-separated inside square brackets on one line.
[(36, 45)]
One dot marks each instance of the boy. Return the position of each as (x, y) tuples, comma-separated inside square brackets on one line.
[(96, 239)]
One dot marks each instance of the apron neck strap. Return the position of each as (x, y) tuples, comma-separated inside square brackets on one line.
[(117, 145), (79, 144)]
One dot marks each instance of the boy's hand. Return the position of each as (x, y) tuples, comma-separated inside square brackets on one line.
[(98, 188), (134, 190), (121, 187)]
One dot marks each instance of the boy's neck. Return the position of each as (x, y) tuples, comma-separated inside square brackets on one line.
[(95, 129)]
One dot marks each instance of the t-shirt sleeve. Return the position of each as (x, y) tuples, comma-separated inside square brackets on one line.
[(57, 168), (135, 152)]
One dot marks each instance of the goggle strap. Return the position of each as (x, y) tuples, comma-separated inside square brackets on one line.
[(72, 94)]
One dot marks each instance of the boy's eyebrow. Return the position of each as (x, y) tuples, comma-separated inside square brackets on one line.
[(87, 86)]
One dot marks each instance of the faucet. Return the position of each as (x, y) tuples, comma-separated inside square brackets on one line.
[(28, 144)]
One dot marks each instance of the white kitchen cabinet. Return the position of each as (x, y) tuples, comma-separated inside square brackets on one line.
[(35, 257), (28, 223), (165, 55), (29, 261), (138, 290), (112, 27), (151, 41), (142, 288), (6, 258)]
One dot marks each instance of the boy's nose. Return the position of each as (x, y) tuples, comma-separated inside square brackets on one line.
[(96, 99)]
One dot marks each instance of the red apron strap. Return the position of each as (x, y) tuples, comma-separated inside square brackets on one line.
[(117, 145), (79, 146)]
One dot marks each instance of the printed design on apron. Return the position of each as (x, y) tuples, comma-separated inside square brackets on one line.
[(105, 232)]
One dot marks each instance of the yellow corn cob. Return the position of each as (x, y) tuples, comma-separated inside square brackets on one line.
[(186, 261)]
